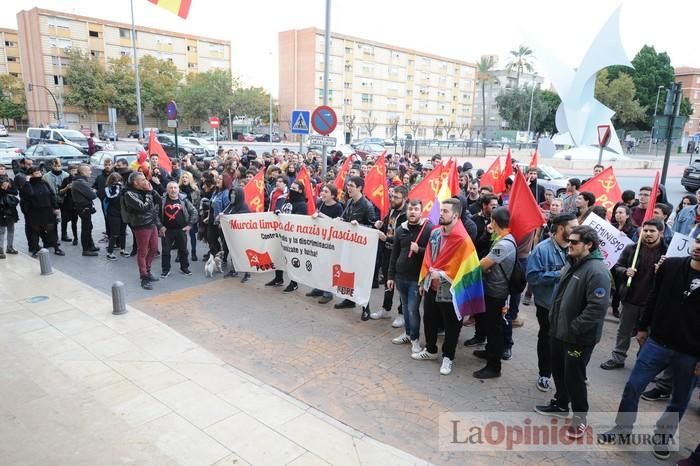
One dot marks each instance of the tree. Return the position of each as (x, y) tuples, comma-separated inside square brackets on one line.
[(483, 69), (551, 101), (159, 81), (122, 87), (686, 107), (436, 127), (253, 102), (86, 82), (414, 125), (520, 60), (12, 99), (370, 124), (514, 107), (619, 95), (206, 94), (462, 128), (349, 122), (448, 129)]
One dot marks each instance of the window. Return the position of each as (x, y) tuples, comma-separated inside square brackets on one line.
[(347, 101), (16, 75), (12, 59), (348, 49), (347, 85), (191, 66), (191, 48), (408, 107), (124, 33), (348, 67), (330, 94), (216, 48), (60, 23), (366, 98), (409, 77), (125, 51), (409, 92), (10, 43), (60, 43), (57, 79), (95, 53), (94, 34)]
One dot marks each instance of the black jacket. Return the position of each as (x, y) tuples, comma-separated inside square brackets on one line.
[(140, 208), (638, 291), (466, 218), (362, 210), (8, 208), (82, 193), (295, 204), (237, 204), (38, 202), (394, 217), (672, 313), (100, 184), (400, 265)]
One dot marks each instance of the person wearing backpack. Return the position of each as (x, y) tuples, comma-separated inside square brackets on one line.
[(497, 268)]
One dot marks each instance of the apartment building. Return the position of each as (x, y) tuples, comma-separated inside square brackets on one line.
[(690, 79), (376, 89), (9, 53), (500, 82), (44, 36)]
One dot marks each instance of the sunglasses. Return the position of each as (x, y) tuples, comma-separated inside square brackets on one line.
[(574, 242)]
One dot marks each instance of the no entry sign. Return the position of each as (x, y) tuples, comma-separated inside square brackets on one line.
[(214, 122), (324, 120)]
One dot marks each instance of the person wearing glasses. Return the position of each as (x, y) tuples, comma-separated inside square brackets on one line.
[(687, 221), (640, 210)]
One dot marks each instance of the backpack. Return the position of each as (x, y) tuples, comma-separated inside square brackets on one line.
[(517, 280)]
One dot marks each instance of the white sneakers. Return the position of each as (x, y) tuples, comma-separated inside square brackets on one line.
[(446, 367), (401, 339), (415, 346), (380, 314), (398, 322), (424, 354)]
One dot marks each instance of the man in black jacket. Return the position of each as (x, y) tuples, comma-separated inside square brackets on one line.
[(404, 270), (635, 296), (177, 217), (83, 196), (38, 203), (488, 202), (99, 186), (673, 314), (536, 190)]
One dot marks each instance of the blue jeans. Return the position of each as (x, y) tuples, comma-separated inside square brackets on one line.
[(410, 300), (652, 359), (513, 309)]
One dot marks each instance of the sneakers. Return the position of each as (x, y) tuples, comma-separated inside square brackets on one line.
[(398, 322), (59, 252), (88, 253), (146, 284), (274, 282), (111, 257), (446, 367), (380, 314), (552, 409), (165, 274), (246, 277), (507, 354), (124, 253), (661, 452), (152, 278), (345, 304), (186, 272), (424, 354), (474, 341), (325, 299), (612, 364), (314, 293), (517, 323), (415, 346), (11, 251), (544, 384), (365, 314), (481, 354), (291, 287), (654, 394), (401, 339), (577, 429), (486, 373)]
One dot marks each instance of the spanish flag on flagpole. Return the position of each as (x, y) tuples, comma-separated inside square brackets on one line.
[(179, 7)]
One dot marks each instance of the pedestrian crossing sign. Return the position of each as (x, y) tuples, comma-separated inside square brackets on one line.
[(300, 121)]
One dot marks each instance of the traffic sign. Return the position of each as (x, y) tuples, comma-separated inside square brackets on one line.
[(300, 121), (322, 141), (324, 120), (214, 122), (603, 135), (172, 123), (171, 110), (661, 123)]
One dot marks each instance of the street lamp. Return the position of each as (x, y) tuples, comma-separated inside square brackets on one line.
[(653, 123), (532, 98), (31, 86)]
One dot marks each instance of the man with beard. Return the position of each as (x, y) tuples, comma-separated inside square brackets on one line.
[(177, 217), (140, 204), (404, 270), (396, 216), (83, 197), (40, 209), (489, 203), (535, 188), (635, 296)]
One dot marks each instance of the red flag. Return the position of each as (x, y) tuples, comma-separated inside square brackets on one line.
[(375, 186), (427, 189), (506, 173), (535, 160), (492, 176), (304, 178), (649, 214), (342, 279), (154, 147), (605, 188), (343, 173), (452, 177), (525, 214), (254, 193)]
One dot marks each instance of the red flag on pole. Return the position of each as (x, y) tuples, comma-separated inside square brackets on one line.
[(649, 214), (154, 147), (178, 7), (535, 160), (525, 214), (375, 186), (254, 193), (506, 173), (304, 178), (605, 188), (492, 176), (427, 189), (343, 173), (452, 177)]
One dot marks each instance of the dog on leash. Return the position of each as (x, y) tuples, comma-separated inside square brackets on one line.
[(214, 264)]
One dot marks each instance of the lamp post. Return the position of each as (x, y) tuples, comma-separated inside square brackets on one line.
[(59, 115), (653, 123), (271, 56), (532, 99)]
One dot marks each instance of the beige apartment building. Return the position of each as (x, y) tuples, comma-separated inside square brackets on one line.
[(9, 53), (375, 89), (44, 36), (690, 79)]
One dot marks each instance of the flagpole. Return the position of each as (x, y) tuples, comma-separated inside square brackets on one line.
[(634, 260), (420, 233), (136, 71)]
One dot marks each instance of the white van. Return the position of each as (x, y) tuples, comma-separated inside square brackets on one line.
[(69, 137)]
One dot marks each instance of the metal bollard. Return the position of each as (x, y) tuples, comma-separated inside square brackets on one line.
[(118, 299), (45, 261)]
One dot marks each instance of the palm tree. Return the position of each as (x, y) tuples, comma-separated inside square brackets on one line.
[(520, 60), (484, 67)]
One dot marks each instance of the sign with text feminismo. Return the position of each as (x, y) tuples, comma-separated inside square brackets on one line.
[(612, 240), (323, 253)]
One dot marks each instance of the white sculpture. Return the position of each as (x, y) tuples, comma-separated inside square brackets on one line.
[(580, 113)]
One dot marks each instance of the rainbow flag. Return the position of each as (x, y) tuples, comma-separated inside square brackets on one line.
[(457, 262), (179, 7)]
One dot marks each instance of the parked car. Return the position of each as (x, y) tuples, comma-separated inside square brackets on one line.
[(3, 131), (548, 177), (691, 177), (246, 137), (42, 154), (109, 135), (69, 137), (359, 142), (183, 146), (266, 137), (98, 158), (9, 152), (366, 149), (208, 146)]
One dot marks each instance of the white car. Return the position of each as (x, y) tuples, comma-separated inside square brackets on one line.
[(9, 152), (3, 131), (208, 146)]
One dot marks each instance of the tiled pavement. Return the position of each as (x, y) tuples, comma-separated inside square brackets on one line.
[(80, 386)]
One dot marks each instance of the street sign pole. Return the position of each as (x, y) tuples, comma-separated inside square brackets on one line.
[(301, 144), (675, 95), (326, 58)]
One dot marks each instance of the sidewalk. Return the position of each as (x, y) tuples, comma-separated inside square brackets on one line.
[(81, 386)]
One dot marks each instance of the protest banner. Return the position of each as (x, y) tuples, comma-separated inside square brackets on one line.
[(612, 240), (319, 252), (680, 246)]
